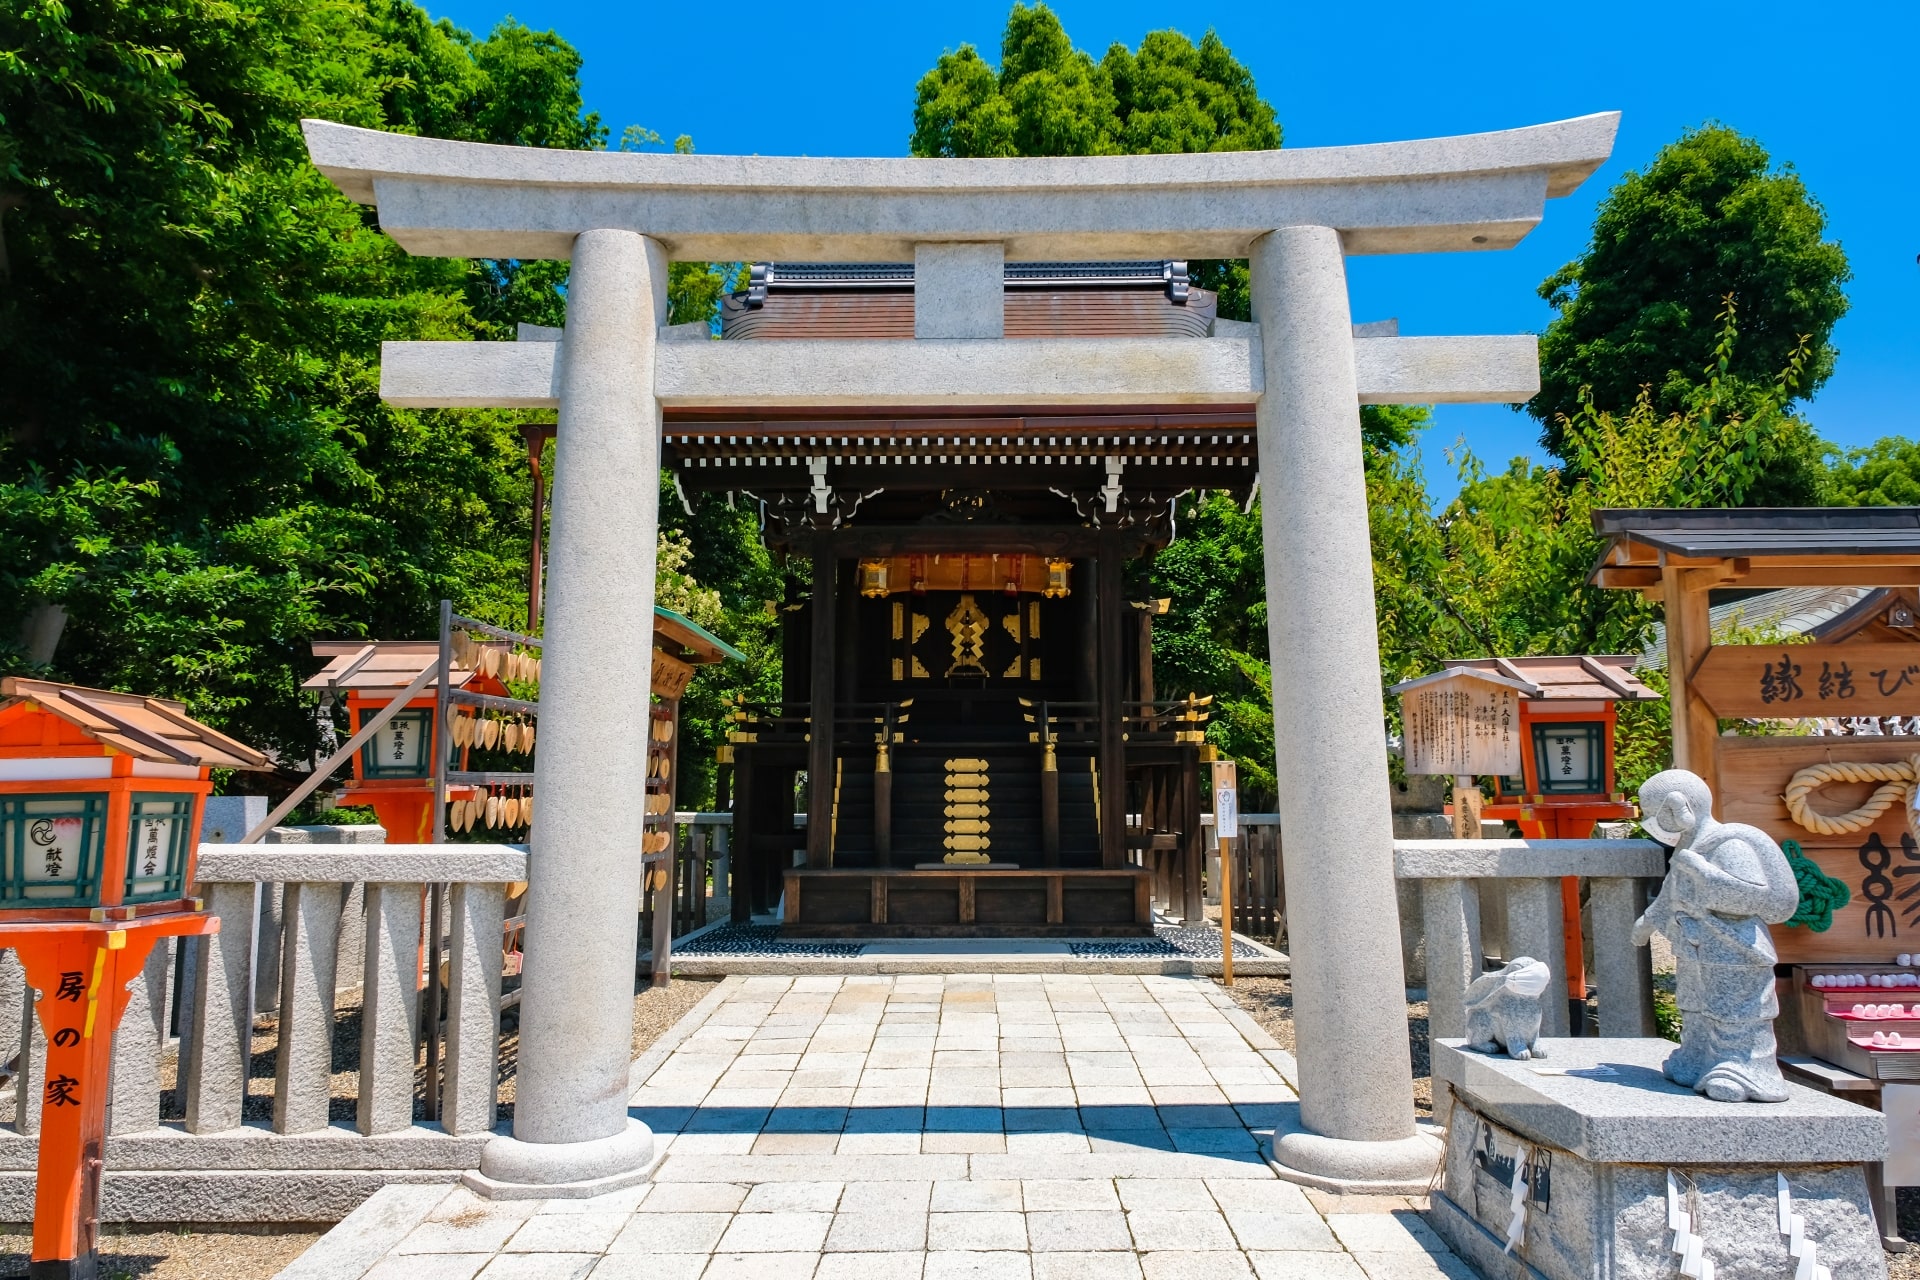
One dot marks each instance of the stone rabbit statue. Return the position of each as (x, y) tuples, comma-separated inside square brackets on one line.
[(1503, 1009)]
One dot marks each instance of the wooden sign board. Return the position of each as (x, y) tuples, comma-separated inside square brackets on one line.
[(1792, 680), (1462, 726), (1878, 865), (670, 675), (1226, 799)]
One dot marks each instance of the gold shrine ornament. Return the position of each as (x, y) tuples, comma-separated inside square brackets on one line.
[(968, 625)]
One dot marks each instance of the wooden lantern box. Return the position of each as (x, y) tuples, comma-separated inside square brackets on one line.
[(101, 796)]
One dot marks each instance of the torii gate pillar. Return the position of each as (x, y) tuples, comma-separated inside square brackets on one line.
[(1355, 1128), (572, 1135)]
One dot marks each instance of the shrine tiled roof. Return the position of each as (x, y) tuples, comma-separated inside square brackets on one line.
[(1761, 532), (1043, 300)]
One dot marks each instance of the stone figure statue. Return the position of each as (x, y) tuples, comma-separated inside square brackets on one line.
[(1503, 1009), (1726, 883)]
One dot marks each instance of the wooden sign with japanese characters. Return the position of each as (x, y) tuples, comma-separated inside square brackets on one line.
[(1462, 725), (1880, 865), (1810, 680)]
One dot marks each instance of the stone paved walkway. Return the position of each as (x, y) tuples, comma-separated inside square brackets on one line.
[(1014, 1127)]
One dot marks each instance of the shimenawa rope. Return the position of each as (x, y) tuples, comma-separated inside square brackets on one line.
[(1897, 781)]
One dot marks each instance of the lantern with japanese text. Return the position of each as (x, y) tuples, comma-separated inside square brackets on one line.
[(393, 770), (100, 799), (1542, 729)]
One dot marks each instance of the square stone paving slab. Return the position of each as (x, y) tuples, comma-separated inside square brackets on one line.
[(829, 1128)]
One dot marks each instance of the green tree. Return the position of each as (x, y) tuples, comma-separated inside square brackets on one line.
[(1711, 216), (196, 462), (1885, 473), (1051, 99), (1502, 569)]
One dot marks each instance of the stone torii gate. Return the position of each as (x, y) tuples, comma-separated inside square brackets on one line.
[(620, 218)]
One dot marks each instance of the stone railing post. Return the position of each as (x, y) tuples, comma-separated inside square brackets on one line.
[(1622, 971), (390, 1002), (214, 1074), (1533, 929), (1451, 915), (303, 1067), (469, 1098), (319, 882), (31, 1072), (134, 1104), (1525, 875)]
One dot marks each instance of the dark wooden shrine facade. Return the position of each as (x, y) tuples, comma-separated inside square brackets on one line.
[(968, 683), (987, 670)]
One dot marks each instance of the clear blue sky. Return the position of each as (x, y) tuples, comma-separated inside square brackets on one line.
[(1829, 88)]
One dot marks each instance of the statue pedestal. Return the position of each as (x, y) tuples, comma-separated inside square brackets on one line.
[(1599, 1129)]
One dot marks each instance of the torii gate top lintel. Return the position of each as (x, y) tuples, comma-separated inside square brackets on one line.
[(1469, 192)]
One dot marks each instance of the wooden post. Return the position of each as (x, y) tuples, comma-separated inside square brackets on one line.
[(1226, 825), (1193, 843), (1226, 910), (1466, 807), (1111, 686), (883, 798), (663, 921), (820, 696), (742, 863), (1689, 633), (1050, 804)]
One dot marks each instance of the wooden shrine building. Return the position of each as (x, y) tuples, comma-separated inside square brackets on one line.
[(968, 685)]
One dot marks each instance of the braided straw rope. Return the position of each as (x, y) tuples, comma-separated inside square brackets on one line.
[(1897, 782)]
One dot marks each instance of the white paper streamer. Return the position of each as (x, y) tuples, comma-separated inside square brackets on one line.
[(1517, 1224), (1794, 1227), (1691, 1249)]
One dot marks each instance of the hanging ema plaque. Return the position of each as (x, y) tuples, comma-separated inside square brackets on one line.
[(1461, 723)]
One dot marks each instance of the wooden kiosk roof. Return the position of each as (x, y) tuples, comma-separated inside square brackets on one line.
[(1760, 546), (157, 730), (1551, 677), (383, 666)]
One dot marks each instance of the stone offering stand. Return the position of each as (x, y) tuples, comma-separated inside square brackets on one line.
[(1598, 1136)]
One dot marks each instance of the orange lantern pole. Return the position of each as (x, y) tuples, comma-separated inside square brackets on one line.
[(101, 797), (81, 970)]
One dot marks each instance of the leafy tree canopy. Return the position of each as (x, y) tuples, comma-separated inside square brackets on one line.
[(195, 463), (1710, 217), (1051, 99), (1884, 474)]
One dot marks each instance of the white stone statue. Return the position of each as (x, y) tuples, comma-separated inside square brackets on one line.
[(1503, 1009), (1726, 883)]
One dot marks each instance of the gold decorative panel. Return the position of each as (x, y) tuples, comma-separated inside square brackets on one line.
[(967, 811), (967, 624)]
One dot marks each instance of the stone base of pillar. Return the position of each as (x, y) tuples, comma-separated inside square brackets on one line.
[(514, 1170), (1404, 1167)]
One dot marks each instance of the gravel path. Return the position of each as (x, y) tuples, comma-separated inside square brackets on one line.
[(1270, 1003)]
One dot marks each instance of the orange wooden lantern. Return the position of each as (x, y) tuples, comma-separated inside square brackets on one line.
[(100, 800), (1555, 717), (100, 805), (393, 772)]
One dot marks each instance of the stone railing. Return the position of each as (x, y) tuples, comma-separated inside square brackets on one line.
[(323, 1146), (1457, 876)]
